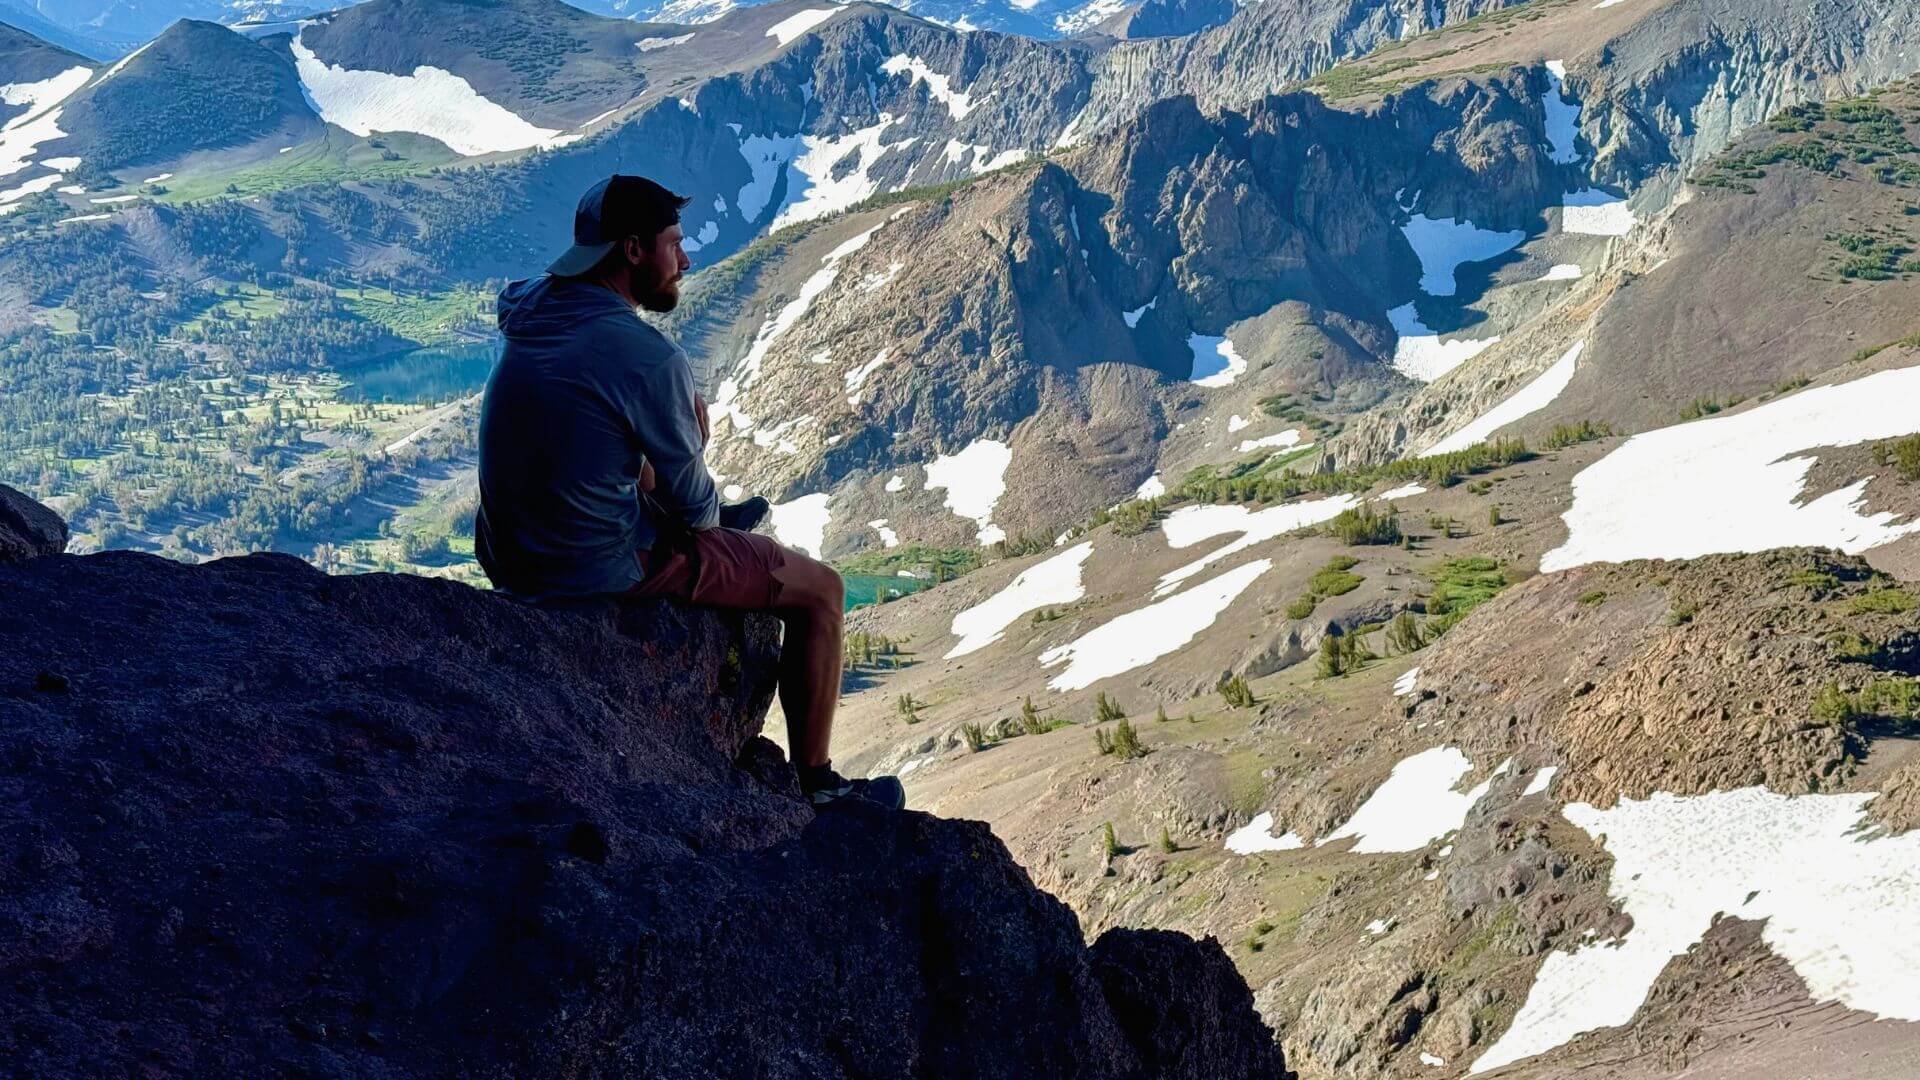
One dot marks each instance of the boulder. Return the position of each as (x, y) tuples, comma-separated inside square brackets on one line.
[(259, 819), (28, 530)]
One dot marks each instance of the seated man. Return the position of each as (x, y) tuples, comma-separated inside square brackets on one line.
[(591, 478)]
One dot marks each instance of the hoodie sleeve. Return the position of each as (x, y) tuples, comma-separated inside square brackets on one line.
[(657, 401)]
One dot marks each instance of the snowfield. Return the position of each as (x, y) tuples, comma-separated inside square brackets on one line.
[(818, 183), (1524, 402), (1444, 245), (1192, 525), (1420, 354), (1736, 483), (958, 102), (1146, 634), (1215, 363), (802, 523), (1596, 213), (1416, 805), (1406, 683), (1257, 835), (799, 23), (974, 480), (1563, 116), (1837, 898), (1055, 581), (430, 102)]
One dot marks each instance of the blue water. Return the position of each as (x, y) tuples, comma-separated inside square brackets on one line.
[(863, 589), (421, 376)]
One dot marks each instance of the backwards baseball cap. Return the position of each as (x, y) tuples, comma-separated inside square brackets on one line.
[(611, 211)]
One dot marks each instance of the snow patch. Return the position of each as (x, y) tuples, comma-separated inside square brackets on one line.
[(888, 538), (1133, 317), (1541, 780), (1055, 581), (1236, 422), (652, 43), (1563, 117), (1524, 402), (974, 480), (1836, 898), (1150, 488), (1405, 684), (1445, 245), (34, 186), (1415, 806), (1735, 483), (799, 23), (1594, 212), (1257, 835), (1215, 363), (802, 522), (958, 102), (1191, 525), (1562, 272), (858, 376), (59, 163), (1149, 633), (1282, 441), (1418, 353), (813, 188), (1404, 491), (110, 198), (431, 102), (896, 482)]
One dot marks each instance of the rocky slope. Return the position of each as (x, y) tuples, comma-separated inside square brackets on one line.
[(396, 826)]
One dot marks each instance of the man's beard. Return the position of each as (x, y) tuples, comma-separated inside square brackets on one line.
[(662, 297)]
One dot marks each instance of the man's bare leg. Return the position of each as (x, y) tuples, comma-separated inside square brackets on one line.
[(812, 609)]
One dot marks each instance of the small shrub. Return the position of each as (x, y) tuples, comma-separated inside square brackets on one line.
[(1904, 456), (1105, 708), (1493, 515), (1597, 596), (975, 735), (1404, 634), (908, 708), (1302, 606), (1102, 741), (1160, 714), (1031, 722), (1682, 614), (1166, 842), (1883, 602), (1236, 693), (1341, 654), (1833, 707), (1126, 742), (1110, 841)]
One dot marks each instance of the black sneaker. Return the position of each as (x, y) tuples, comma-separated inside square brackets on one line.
[(744, 515), (882, 791)]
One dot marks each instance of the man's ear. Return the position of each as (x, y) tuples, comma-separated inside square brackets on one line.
[(635, 250)]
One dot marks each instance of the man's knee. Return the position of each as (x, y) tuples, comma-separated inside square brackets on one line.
[(811, 585)]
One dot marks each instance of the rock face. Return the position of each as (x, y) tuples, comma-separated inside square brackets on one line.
[(393, 826), (27, 529)]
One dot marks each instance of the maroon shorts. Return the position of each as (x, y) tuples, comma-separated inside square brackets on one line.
[(723, 568)]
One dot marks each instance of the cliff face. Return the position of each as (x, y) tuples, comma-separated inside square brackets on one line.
[(391, 826)]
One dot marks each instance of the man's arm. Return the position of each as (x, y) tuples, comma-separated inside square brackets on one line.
[(665, 421)]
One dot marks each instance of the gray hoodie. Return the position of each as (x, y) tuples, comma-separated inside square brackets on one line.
[(584, 393)]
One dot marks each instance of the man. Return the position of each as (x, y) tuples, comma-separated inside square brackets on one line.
[(591, 478)]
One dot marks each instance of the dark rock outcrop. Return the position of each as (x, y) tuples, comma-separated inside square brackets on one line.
[(27, 529), (260, 819)]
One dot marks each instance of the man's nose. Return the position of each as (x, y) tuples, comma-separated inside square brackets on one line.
[(685, 262)]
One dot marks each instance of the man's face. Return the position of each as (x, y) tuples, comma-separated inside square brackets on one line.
[(656, 278)]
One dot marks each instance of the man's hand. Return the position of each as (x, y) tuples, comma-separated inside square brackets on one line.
[(646, 476), (706, 426)]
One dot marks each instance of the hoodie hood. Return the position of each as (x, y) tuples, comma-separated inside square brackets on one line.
[(537, 307)]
